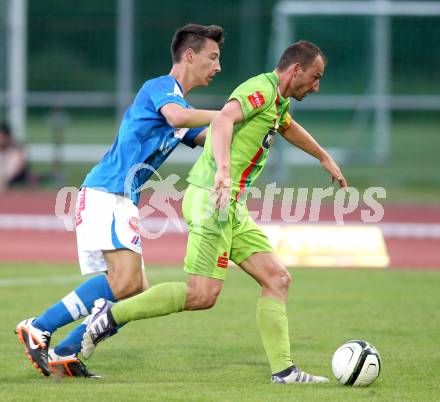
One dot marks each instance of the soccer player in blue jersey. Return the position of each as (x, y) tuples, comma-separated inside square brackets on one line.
[(107, 211)]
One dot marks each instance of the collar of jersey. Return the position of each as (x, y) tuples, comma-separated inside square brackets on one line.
[(275, 80), (178, 83)]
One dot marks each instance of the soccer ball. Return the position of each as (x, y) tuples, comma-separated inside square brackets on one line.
[(356, 363)]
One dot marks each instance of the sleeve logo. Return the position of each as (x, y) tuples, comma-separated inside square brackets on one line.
[(256, 99)]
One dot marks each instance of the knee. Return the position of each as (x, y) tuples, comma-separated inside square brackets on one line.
[(206, 301), (280, 279), (284, 278), (201, 299)]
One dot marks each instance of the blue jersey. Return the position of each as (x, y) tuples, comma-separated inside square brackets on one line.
[(144, 137)]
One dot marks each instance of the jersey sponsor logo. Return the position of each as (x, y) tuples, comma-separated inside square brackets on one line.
[(180, 133), (268, 139), (256, 99), (80, 206), (222, 260)]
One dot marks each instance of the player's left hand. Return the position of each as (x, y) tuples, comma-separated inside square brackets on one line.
[(330, 165), (222, 187)]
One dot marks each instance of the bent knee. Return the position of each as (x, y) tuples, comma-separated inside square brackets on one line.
[(202, 292), (279, 279), (201, 300), (285, 278), (206, 302)]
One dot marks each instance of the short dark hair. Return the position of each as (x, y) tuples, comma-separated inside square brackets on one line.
[(302, 52), (194, 36)]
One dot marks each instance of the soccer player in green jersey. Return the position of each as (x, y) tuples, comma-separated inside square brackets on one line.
[(235, 152)]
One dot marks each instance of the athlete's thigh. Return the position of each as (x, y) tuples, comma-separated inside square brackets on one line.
[(247, 237), (123, 261), (126, 265), (145, 284), (209, 237), (125, 273)]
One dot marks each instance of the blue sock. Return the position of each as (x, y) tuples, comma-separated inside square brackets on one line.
[(71, 344), (76, 304)]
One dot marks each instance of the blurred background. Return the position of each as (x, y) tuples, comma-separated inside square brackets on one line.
[(68, 72)]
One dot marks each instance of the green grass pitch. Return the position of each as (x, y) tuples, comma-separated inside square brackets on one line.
[(217, 355)]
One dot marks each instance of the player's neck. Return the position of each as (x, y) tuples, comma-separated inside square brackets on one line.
[(183, 76), (283, 83)]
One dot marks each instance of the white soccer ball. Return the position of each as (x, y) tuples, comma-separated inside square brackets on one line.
[(356, 363)]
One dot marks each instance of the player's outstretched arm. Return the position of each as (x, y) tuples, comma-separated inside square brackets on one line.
[(221, 130), (179, 117), (300, 137)]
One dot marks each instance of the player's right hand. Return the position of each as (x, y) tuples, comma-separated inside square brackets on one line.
[(336, 175), (222, 188)]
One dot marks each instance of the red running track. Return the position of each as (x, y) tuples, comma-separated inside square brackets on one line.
[(56, 246)]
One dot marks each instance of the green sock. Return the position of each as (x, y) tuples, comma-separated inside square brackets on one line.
[(274, 330), (159, 300)]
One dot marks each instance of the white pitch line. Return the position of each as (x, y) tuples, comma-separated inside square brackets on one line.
[(403, 230), (9, 283), (31, 222)]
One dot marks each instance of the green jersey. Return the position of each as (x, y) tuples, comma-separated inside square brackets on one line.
[(264, 110)]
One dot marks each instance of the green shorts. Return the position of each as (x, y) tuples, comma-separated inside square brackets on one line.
[(215, 237)]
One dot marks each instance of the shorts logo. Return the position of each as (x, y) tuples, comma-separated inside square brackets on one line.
[(136, 240), (222, 260), (256, 99), (80, 206), (133, 223)]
